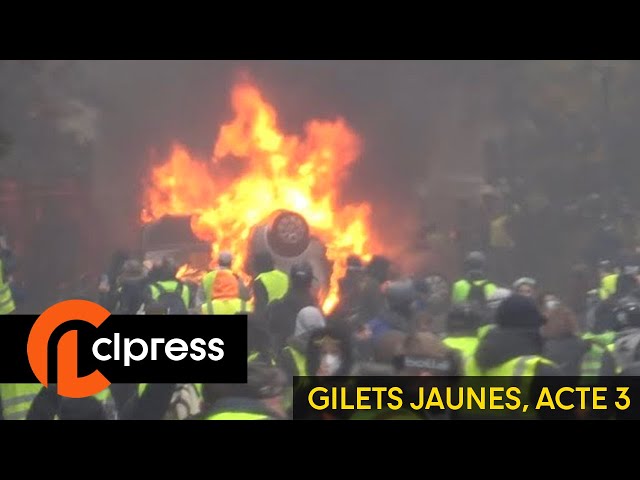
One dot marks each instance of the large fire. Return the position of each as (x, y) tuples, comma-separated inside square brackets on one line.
[(256, 169)]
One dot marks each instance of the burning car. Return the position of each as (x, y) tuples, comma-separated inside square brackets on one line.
[(284, 234)]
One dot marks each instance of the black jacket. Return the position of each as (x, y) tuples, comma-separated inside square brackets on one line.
[(281, 315), (131, 294), (568, 353), (501, 345)]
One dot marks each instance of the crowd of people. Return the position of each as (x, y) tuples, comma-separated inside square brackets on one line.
[(383, 326)]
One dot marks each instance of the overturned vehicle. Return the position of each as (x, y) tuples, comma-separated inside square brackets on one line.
[(286, 235)]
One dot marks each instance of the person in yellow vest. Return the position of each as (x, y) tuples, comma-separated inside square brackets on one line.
[(166, 292), (7, 265), (46, 404), (207, 285), (563, 345), (608, 280), (225, 297), (261, 398), (513, 348), (462, 329), (474, 287), (502, 245), (269, 283), (16, 399)]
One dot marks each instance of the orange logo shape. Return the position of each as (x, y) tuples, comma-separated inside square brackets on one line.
[(69, 384)]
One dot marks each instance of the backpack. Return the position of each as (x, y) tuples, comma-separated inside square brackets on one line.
[(477, 297), (185, 402), (171, 302)]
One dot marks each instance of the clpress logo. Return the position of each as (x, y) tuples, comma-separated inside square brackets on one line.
[(82, 348), (69, 384)]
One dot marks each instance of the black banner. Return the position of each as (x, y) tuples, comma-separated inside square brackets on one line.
[(129, 349)]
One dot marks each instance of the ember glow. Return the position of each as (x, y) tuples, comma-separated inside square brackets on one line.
[(270, 171)]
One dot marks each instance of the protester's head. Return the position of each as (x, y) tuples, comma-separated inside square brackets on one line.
[(463, 319), (225, 260), (388, 345), (525, 286), (561, 321), (132, 271), (301, 275), (308, 320), (519, 312), (330, 351), (475, 265), (265, 383)]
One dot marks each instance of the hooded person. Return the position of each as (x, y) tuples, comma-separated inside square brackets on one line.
[(293, 358), (282, 314), (371, 302), (514, 349), (131, 285), (349, 289), (330, 352), (261, 398)]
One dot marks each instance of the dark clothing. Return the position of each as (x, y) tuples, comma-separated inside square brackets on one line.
[(372, 301), (152, 405), (122, 393), (130, 296), (238, 405), (260, 299), (48, 405), (568, 353), (349, 292), (388, 320), (281, 315), (501, 345)]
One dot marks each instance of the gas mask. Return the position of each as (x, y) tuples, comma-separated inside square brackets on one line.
[(330, 364)]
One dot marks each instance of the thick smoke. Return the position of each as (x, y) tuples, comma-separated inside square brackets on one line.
[(420, 122)]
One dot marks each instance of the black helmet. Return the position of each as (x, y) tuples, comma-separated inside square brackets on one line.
[(463, 317), (301, 273), (627, 312), (400, 293), (475, 261)]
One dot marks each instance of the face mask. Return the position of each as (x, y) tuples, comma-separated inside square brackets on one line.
[(330, 364)]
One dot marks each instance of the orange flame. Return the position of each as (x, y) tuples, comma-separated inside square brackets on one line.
[(272, 171)]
